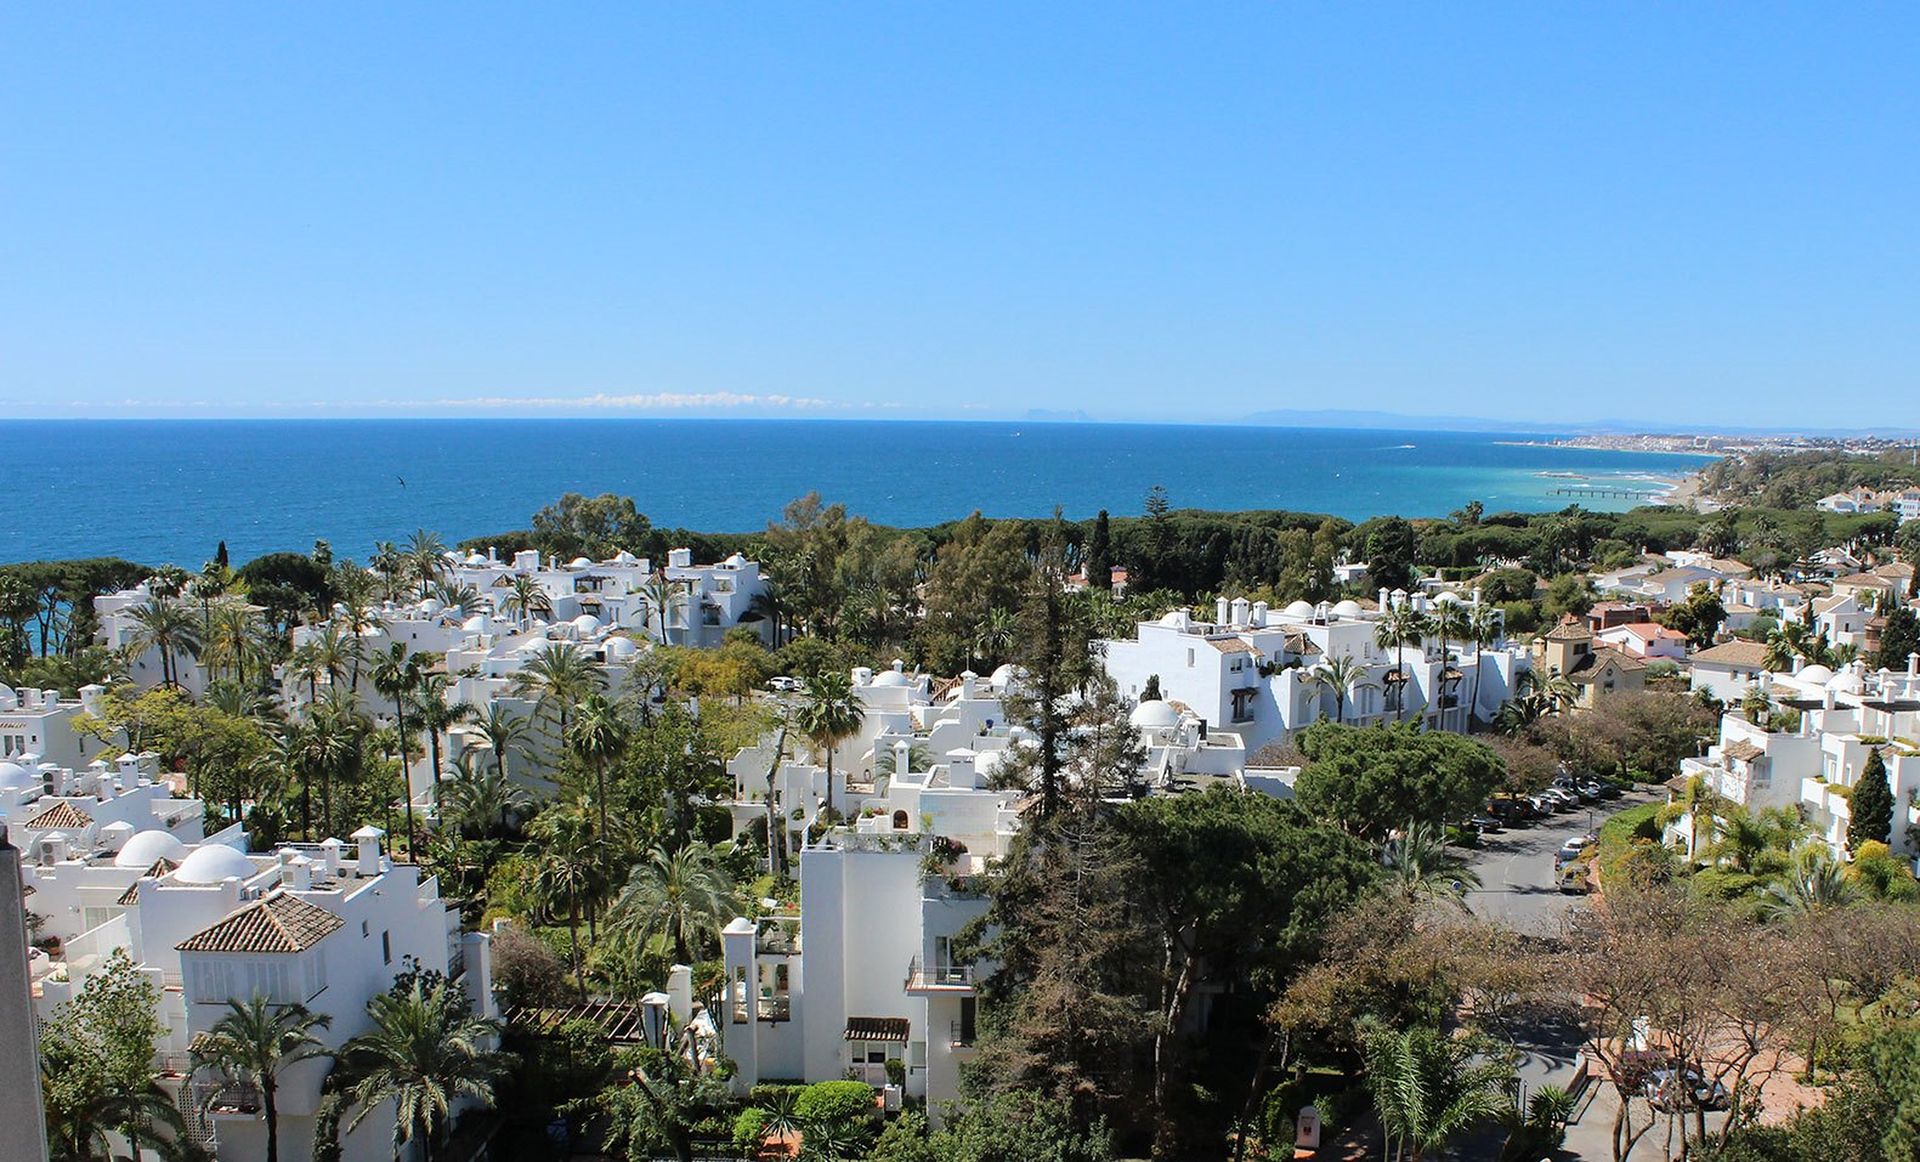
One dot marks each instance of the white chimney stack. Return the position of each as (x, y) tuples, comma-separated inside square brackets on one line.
[(1220, 606), (368, 838)]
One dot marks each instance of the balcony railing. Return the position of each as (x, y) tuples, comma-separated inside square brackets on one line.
[(773, 1009), (928, 978)]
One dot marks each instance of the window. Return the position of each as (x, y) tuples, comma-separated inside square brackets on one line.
[(969, 1015), (1189, 659), (1243, 705), (386, 948)]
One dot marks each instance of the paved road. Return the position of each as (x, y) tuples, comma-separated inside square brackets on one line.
[(1518, 888)]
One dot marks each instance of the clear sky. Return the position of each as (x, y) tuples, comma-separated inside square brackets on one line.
[(1702, 213)]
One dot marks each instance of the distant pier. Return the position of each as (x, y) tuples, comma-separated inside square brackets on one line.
[(1608, 492)]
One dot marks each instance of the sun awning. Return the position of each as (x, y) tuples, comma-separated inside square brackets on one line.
[(877, 1028)]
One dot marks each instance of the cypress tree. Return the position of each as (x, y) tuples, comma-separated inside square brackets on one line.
[(1099, 560), (1871, 815)]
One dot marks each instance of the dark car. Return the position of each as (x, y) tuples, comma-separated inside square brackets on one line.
[(1486, 823)]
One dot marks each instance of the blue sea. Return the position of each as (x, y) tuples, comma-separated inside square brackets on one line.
[(170, 490)]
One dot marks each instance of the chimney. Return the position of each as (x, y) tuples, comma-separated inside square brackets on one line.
[(1220, 606), (1260, 614), (969, 685), (679, 558), (1240, 610), (902, 758), (960, 773), (1476, 596), (1386, 598), (368, 863), (653, 1018), (330, 855), (1913, 665)]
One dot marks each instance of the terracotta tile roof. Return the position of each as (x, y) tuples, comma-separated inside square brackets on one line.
[(1231, 645), (1741, 749), (1734, 653), (131, 896), (1299, 643), (61, 815), (1570, 629), (275, 923), (877, 1028), (1591, 665)]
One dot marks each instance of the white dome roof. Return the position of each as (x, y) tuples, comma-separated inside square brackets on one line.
[(1348, 608), (1448, 596), (736, 561), (1175, 619), (1001, 678), (586, 623), (624, 558), (890, 678), (1814, 675), (13, 776), (475, 624), (148, 846), (578, 563), (621, 647), (1153, 714), (1845, 681), (1299, 609), (211, 863)]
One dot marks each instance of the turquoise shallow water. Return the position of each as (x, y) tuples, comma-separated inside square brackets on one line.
[(159, 491)]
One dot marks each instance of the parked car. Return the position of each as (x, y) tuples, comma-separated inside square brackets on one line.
[(1486, 823), (1668, 1089), (1572, 848), (1573, 880), (1558, 800), (1608, 789), (785, 685), (1592, 792)]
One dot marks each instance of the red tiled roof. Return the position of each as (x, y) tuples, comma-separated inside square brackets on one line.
[(276, 923), (60, 815), (131, 896)]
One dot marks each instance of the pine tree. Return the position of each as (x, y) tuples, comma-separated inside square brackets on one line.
[(1871, 818)]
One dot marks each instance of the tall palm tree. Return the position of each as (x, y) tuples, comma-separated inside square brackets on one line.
[(567, 873), (426, 556), (829, 713), (436, 716), (337, 746), (425, 1052), (391, 564), (397, 675), (524, 598), (676, 903), (456, 594), (769, 605), (253, 1042), (659, 597), (1340, 677), (504, 733), (161, 625), (559, 678), (1483, 628), (598, 736), (232, 640), (1699, 803), (1421, 866), (1429, 1087), (1399, 627)]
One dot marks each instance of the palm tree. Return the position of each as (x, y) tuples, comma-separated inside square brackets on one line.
[(231, 640), (1483, 626), (769, 605), (426, 556), (525, 598), (437, 716), (568, 872), (253, 1042), (1429, 1087), (1340, 677), (676, 903), (336, 746), (1815, 883), (145, 1114), (830, 713), (661, 597), (425, 1052), (482, 799), (1420, 865), (1699, 802), (504, 733), (164, 626), (559, 678), (456, 594), (397, 675), (390, 563), (1399, 627), (997, 634), (598, 737)]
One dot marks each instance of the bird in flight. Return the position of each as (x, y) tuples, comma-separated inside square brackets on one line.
[(402, 480)]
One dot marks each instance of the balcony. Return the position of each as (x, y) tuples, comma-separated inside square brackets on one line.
[(228, 1100), (939, 978), (772, 1009)]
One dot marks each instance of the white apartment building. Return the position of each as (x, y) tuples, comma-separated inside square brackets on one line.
[(1251, 670), (40, 723), (703, 601), (1844, 718), (307, 924)]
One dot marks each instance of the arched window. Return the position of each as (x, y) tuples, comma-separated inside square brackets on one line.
[(899, 820)]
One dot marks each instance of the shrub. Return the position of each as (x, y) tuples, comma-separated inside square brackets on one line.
[(525, 970), (835, 1101), (748, 1128)]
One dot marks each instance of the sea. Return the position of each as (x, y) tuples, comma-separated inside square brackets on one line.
[(170, 490)]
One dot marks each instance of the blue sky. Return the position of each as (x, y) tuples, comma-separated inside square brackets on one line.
[(1540, 211)]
